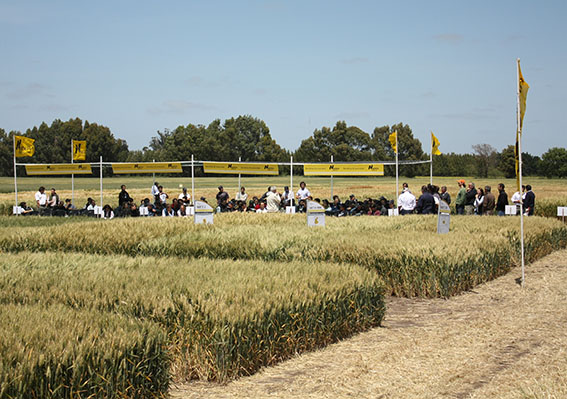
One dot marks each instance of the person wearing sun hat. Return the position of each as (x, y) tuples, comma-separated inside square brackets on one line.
[(461, 197)]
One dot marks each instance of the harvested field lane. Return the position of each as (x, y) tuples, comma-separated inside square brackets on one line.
[(498, 341)]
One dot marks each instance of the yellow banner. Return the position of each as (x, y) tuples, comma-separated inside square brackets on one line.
[(147, 167), (242, 168), (524, 86), (79, 150), (343, 169), (59, 169), (24, 146)]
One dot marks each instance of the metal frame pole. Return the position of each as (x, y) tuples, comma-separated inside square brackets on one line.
[(72, 176), (101, 199), (238, 189), (192, 179), (15, 171), (332, 179)]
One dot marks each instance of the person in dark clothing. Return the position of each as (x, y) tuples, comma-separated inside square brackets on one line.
[(489, 201), (222, 196), (445, 196), (502, 200), (123, 197), (425, 203), (529, 201), (470, 196)]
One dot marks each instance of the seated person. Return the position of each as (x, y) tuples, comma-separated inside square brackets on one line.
[(184, 197), (182, 211), (168, 211), (107, 212), (262, 208), (26, 210)]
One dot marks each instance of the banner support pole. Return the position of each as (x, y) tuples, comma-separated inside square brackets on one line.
[(520, 169), (431, 163), (101, 182), (238, 189), (15, 172), (332, 160), (192, 179), (72, 177), (291, 177)]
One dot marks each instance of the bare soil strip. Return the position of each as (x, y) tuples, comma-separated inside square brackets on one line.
[(498, 341)]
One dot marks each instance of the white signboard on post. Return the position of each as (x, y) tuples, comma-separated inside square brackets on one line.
[(393, 212), (510, 210), (443, 218), (315, 214), (562, 211), (203, 213)]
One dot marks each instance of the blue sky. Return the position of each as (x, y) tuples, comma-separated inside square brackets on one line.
[(142, 66)]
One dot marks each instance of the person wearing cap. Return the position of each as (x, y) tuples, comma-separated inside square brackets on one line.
[(221, 196), (406, 202), (460, 200)]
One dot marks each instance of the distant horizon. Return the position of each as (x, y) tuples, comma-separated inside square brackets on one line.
[(140, 67)]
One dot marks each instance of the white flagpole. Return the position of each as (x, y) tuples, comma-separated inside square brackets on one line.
[(332, 160), (431, 163), (100, 181), (238, 190), (15, 172), (291, 177), (520, 168), (72, 177), (193, 179), (397, 185)]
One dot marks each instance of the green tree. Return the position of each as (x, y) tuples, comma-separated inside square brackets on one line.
[(345, 143), (486, 157), (409, 148), (554, 162)]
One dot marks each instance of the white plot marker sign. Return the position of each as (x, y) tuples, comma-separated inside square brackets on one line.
[(315, 214)]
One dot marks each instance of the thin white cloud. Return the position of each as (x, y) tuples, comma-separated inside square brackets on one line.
[(31, 90), (450, 38)]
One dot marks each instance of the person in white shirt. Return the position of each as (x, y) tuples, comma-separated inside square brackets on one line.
[(241, 195), (184, 197), (107, 212), (167, 211), (41, 198), (517, 199), (162, 196), (287, 196), (303, 193), (262, 208), (406, 202), (273, 200), (155, 192)]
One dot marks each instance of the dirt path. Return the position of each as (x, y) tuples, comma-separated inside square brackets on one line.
[(499, 341)]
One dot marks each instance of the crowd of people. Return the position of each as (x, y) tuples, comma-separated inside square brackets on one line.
[(469, 201)]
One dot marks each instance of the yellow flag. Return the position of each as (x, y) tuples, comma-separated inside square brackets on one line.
[(435, 145), (79, 150), (394, 141), (23, 146), (523, 95)]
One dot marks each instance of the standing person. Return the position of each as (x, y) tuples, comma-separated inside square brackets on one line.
[(184, 197), (222, 196), (445, 196), (273, 200), (406, 202), (155, 193), (241, 195), (426, 202), (517, 198), (460, 201), (123, 196), (470, 196), (489, 201), (502, 200), (41, 200), (53, 199), (479, 202), (529, 201), (303, 193)]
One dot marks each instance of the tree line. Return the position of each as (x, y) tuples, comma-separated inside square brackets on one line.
[(249, 138)]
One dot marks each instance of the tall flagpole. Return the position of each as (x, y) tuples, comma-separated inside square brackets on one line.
[(15, 173), (291, 177), (397, 185), (518, 121), (101, 182), (431, 163)]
